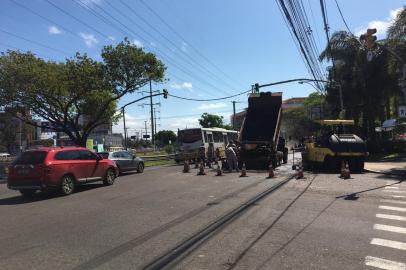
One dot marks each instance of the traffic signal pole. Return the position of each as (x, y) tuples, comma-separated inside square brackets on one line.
[(122, 109)]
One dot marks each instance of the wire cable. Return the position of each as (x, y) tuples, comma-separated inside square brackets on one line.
[(35, 42), (184, 40)]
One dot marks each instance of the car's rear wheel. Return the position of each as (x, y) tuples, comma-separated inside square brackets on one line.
[(109, 178), (140, 167), (27, 192), (67, 185)]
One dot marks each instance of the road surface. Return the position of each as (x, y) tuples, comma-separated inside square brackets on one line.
[(311, 223)]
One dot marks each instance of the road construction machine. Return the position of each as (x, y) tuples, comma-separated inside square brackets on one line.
[(334, 146), (259, 135)]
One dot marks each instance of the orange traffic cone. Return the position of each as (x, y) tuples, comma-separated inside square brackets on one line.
[(186, 167), (299, 174), (219, 172), (271, 173), (243, 170), (347, 173), (201, 169), (342, 171), (196, 164)]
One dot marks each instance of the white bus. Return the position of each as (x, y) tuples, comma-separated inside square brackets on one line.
[(191, 139)]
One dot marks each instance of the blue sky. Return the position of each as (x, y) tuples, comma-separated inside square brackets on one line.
[(226, 45)]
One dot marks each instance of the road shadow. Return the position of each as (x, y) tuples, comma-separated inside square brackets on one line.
[(398, 174), (129, 173), (45, 195), (354, 196)]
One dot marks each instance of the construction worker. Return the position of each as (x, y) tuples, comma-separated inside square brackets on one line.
[(202, 154), (231, 158), (210, 154)]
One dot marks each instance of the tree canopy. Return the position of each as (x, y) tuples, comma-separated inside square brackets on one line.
[(77, 95), (164, 136), (208, 120), (370, 89)]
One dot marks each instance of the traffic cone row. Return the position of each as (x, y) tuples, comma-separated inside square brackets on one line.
[(299, 173), (342, 169), (186, 167), (201, 169), (243, 170), (346, 173), (271, 173)]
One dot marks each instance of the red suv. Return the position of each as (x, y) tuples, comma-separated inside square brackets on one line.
[(59, 168)]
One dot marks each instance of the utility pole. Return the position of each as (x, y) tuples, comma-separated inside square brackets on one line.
[(146, 130), (155, 119), (233, 114), (152, 114), (125, 129)]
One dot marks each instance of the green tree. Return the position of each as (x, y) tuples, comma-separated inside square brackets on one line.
[(77, 95), (164, 136), (297, 124), (211, 120)]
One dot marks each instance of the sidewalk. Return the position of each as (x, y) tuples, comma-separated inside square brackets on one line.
[(395, 167)]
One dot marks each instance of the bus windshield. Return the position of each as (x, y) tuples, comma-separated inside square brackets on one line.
[(190, 135)]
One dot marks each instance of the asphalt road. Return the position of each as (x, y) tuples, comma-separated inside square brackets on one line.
[(310, 223)]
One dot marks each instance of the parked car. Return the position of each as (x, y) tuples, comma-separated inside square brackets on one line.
[(59, 169), (125, 161)]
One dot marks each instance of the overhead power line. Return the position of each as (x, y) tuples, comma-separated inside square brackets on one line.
[(35, 42), (77, 19), (184, 40), (182, 53), (43, 17), (298, 25), (163, 55)]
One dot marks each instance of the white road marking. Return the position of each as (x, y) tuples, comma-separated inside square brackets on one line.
[(393, 201), (384, 264), (393, 208), (398, 196), (393, 217), (392, 187), (388, 228), (394, 191), (388, 243)]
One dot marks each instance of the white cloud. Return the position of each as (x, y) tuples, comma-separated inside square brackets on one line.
[(381, 26), (138, 43), (183, 122), (89, 39), (211, 106), (184, 85), (131, 123), (111, 38), (53, 30), (184, 46)]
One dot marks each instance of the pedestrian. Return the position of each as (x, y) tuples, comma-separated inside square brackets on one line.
[(210, 154), (231, 158), (202, 154)]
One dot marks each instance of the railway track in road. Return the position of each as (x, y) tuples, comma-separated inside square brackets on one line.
[(176, 253), (117, 251)]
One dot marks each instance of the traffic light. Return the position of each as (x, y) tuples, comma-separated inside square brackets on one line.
[(256, 88), (369, 38), (165, 93)]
